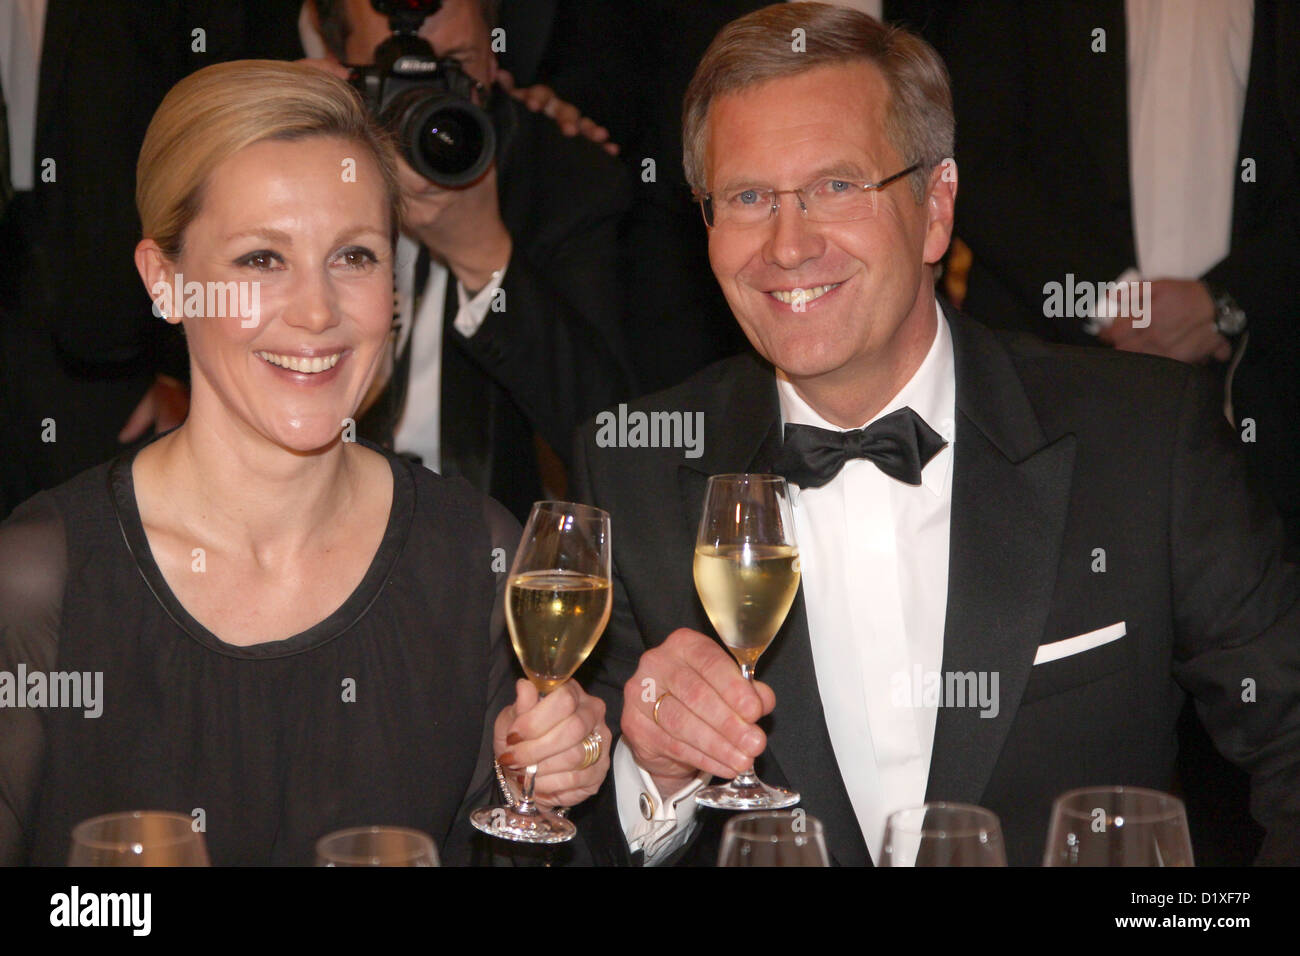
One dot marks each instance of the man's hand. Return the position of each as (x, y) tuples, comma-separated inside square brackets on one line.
[(164, 407), (707, 712), (460, 227), (541, 98), (1181, 315), (548, 732)]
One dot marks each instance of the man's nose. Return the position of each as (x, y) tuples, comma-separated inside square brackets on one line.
[(792, 239)]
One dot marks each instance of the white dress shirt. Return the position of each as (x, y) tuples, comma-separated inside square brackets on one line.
[(1188, 63), (419, 426), (22, 32), (874, 557)]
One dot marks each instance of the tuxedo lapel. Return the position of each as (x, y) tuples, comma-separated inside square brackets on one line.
[(1010, 496), (745, 438)]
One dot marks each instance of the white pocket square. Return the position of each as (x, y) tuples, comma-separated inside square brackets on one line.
[(1080, 643)]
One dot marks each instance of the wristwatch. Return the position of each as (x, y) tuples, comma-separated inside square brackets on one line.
[(1229, 318)]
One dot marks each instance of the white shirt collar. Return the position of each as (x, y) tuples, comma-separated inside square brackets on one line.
[(931, 392)]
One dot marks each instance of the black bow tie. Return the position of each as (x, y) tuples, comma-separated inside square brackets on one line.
[(900, 444)]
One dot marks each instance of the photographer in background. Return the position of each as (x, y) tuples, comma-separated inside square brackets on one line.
[(510, 302)]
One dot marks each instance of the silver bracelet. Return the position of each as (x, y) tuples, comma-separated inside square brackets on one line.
[(501, 781)]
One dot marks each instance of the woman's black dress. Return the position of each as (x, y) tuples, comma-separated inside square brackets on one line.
[(379, 714)]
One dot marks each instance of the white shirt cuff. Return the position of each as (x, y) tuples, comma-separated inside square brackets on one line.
[(473, 311), (655, 826)]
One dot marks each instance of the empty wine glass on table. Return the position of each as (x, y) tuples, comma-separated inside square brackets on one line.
[(1118, 826), (773, 838), (943, 834), (376, 846), (747, 574), (138, 838), (558, 601)]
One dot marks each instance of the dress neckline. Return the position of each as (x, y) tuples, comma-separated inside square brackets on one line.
[(121, 486)]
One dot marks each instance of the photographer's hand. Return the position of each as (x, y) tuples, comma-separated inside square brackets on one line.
[(460, 227)]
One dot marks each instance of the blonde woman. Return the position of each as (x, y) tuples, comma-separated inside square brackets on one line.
[(289, 630)]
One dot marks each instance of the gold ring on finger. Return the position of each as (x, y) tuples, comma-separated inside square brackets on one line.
[(591, 749), (659, 701)]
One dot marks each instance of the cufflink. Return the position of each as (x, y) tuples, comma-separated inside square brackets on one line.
[(647, 806)]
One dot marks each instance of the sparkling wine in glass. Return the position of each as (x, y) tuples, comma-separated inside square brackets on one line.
[(943, 834), (376, 846), (747, 574), (138, 838), (558, 601), (1118, 826), (773, 838)]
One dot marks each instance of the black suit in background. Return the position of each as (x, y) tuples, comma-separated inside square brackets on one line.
[(78, 340), (1057, 452), (627, 64), (555, 354), (1042, 149)]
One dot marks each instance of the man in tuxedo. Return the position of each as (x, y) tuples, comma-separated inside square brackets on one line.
[(509, 295), (1069, 529), (1087, 114)]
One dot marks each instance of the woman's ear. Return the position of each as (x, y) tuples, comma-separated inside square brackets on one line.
[(159, 277)]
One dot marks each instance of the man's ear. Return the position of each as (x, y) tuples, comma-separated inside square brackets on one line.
[(941, 204), (159, 275)]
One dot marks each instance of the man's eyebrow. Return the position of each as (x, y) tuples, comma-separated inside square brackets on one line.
[(837, 170)]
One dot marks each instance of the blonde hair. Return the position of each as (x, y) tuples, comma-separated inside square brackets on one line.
[(761, 46), (217, 111)]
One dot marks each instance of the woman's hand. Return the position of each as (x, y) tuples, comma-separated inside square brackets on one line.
[(549, 732)]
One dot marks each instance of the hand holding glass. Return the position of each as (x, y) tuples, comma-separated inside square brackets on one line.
[(747, 574), (557, 604)]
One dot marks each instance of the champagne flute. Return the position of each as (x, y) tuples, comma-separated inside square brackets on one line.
[(943, 834), (376, 846), (138, 838), (1118, 826), (747, 574), (773, 838), (557, 604)]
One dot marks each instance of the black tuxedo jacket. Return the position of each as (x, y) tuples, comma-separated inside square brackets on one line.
[(1058, 452), (555, 353), (1042, 149)]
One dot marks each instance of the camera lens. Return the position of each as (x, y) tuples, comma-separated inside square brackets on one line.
[(447, 140)]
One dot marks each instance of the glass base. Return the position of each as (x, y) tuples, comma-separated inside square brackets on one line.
[(507, 824), (740, 794)]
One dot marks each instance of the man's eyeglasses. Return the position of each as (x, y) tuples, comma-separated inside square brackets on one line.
[(823, 200)]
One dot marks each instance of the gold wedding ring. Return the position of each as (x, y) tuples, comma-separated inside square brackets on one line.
[(591, 749), (659, 701)]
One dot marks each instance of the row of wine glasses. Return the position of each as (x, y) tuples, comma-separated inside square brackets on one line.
[(1094, 826), (157, 838)]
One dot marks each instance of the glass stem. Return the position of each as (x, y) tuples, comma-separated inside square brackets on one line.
[(525, 806), (748, 778)]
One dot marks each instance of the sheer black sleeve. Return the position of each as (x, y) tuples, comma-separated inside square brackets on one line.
[(33, 572), (503, 531)]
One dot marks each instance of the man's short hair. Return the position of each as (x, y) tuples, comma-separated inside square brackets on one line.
[(764, 45), (334, 26)]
